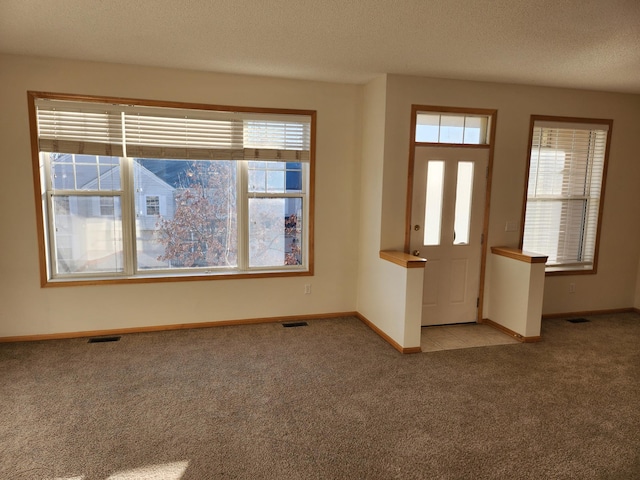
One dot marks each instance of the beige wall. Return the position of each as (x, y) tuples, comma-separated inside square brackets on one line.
[(27, 309), (362, 153), (614, 284), (378, 301)]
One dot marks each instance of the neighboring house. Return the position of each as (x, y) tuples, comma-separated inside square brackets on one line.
[(89, 230)]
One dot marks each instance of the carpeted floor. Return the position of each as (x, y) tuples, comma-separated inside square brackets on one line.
[(327, 401)]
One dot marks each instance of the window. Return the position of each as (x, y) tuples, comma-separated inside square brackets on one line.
[(433, 202), (452, 128), (153, 205), (565, 191), (134, 191), (107, 206)]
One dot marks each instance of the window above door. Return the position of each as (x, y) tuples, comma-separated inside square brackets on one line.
[(452, 128)]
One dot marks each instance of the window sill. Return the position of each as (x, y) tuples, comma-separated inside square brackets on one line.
[(191, 277), (551, 271)]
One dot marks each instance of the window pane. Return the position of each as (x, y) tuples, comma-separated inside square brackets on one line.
[(433, 207), (275, 232), (464, 192), (257, 180), (427, 127), (474, 130), (451, 129), (275, 181), (62, 176), (109, 177), (87, 177), (87, 241), (275, 177), (294, 177), (84, 172), (196, 223)]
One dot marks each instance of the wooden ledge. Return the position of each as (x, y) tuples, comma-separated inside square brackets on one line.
[(403, 259), (519, 255)]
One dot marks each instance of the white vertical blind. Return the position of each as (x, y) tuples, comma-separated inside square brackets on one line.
[(563, 195), (158, 132)]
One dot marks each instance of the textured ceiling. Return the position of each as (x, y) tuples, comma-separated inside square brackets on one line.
[(567, 43)]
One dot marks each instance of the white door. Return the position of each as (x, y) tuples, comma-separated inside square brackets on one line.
[(447, 216)]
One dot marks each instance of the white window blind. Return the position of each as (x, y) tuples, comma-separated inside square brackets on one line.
[(171, 133), (566, 171), (73, 127)]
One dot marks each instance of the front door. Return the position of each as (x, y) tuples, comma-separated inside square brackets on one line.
[(447, 216)]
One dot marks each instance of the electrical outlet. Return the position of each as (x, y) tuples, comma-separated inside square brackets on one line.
[(307, 289), (572, 288)]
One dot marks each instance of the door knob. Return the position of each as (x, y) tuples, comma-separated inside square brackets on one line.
[(416, 253), (416, 228)]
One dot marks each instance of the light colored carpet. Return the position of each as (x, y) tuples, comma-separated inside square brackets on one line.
[(328, 401)]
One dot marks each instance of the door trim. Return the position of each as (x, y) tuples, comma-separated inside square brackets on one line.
[(493, 114)]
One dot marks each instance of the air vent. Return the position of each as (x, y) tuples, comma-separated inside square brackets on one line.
[(295, 324), (577, 320), (104, 339)]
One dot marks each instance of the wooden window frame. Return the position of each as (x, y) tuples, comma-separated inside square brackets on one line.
[(42, 215), (559, 270)]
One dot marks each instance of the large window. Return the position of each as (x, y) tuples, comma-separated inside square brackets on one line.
[(565, 191), (133, 190)]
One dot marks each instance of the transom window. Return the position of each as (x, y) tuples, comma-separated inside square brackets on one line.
[(134, 191), (452, 128), (565, 191)]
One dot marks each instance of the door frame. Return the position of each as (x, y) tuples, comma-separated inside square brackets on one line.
[(493, 116)]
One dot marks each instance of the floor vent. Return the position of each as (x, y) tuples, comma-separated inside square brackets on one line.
[(104, 339), (577, 320), (295, 324)]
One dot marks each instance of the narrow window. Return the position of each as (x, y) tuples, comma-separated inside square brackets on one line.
[(464, 192), (567, 166), (433, 205)]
